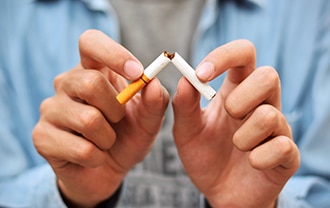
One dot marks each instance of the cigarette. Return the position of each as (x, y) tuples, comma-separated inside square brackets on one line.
[(150, 72), (205, 89)]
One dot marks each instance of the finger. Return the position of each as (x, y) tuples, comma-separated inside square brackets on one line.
[(238, 56), (151, 94), (187, 112), (279, 152), (142, 122), (265, 122), (81, 119), (93, 88), (59, 147), (98, 50), (262, 86)]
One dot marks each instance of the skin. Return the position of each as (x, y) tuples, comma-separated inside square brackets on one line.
[(238, 151)]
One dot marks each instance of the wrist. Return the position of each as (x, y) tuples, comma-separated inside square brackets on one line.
[(224, 203), (74, 200)]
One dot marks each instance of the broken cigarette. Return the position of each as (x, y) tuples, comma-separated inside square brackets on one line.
[(150, 72), (159, 64), (205, 89)]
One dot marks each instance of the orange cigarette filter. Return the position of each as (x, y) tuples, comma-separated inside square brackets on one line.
[(125, 95), (149, 73)]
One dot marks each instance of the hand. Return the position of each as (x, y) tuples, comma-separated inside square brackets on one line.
[(239, 150), (90, 140)]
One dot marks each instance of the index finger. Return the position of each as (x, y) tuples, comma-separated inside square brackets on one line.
[(239, 56), (97, 50)]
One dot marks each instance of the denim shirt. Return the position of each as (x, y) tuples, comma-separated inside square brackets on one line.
[(39, 40)]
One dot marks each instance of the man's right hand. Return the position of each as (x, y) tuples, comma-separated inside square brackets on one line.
[(90, 140)]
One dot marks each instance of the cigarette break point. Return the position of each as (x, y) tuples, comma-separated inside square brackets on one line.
[(169, 55)]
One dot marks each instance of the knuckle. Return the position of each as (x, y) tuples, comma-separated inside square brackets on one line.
[(45, 104), (90, 118), (36, 132), (91, 84), (83, 152), (86, 37), (248, 45), (250, 49), (231, 107), (239, 143), (59, 80), (38, 138), (284, 145), (270, 77), (267, 117)]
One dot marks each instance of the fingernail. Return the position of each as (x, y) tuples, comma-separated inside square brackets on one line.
[(205, 71), (133, 69)]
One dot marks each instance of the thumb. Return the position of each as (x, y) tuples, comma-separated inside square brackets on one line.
[(187, 112)]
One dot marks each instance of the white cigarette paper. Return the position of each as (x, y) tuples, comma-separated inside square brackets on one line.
[(149, 73), (156, 66), (159, 64), (205, 89)]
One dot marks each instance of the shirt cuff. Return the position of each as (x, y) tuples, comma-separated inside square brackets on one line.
[(45, 191)]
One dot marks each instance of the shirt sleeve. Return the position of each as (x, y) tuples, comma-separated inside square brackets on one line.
[(33, 188), (25, 179)]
